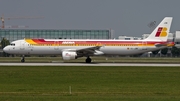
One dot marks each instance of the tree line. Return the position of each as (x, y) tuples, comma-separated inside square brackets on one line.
[(174, 51), (4, 43)]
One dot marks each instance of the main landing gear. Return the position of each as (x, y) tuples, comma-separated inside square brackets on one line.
[(23, 59), (88, 60)]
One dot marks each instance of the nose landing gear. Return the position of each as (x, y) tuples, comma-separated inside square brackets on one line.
[(23, 59)]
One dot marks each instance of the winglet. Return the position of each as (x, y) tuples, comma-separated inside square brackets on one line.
[(162, 30)]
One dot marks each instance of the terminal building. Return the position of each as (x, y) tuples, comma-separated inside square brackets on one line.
[(16, 34)]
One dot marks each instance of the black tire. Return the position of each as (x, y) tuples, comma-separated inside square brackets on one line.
[(22, 60), (88, 60)]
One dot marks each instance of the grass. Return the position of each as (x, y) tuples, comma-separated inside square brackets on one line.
[(45, 83)]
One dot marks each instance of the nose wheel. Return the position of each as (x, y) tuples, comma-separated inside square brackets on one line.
[(23, 59), (88, 60)]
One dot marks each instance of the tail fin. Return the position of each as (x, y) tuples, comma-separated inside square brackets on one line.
[(161, 31)]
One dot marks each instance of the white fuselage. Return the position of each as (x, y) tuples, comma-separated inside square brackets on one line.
[(23, 48)]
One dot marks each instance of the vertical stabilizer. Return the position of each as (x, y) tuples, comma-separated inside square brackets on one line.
[(161, 31)]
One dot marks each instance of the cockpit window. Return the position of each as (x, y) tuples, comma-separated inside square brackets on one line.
[(12, 44)]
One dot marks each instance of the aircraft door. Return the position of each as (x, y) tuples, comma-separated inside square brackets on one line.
[(22, 45), (98, 44), (144, 45), (56, 45)]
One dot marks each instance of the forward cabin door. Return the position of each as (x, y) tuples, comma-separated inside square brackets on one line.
[(22, 45)]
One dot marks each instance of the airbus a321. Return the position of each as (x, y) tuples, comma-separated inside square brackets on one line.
[(76, 48)]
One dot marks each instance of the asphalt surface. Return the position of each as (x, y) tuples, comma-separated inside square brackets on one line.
[(86, 64)]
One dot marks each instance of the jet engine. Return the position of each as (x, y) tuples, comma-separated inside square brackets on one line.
[(66, 55)]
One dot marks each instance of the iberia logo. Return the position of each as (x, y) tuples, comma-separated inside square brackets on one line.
[(162, 32)]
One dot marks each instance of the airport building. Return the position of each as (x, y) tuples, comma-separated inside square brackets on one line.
[(129, 38), (16, 34)]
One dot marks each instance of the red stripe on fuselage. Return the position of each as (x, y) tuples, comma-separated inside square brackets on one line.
[(42, 41)]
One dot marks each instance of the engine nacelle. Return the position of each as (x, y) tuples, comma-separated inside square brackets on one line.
[(69, 55)]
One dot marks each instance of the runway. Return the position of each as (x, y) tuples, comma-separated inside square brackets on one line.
[(87, 64)]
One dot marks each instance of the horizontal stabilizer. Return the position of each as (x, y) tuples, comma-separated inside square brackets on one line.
[(160, 45)]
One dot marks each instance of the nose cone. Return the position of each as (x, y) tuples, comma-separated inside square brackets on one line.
[(5, 49)]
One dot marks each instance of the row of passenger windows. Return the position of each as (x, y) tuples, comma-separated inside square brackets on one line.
[(81, 45)]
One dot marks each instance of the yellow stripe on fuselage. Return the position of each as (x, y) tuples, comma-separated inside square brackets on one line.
[(30, 41)]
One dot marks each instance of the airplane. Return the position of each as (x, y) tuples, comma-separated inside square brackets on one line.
[(75, 48)]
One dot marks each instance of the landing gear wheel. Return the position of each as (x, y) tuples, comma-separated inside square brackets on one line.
[(88, 60), (23, 59)]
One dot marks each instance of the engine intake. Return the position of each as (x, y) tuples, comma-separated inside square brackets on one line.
[(69, 55)]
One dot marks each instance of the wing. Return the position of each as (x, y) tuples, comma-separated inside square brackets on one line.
[(90, 51)]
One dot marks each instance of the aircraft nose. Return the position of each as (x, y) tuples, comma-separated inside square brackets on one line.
[(5, 49)]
